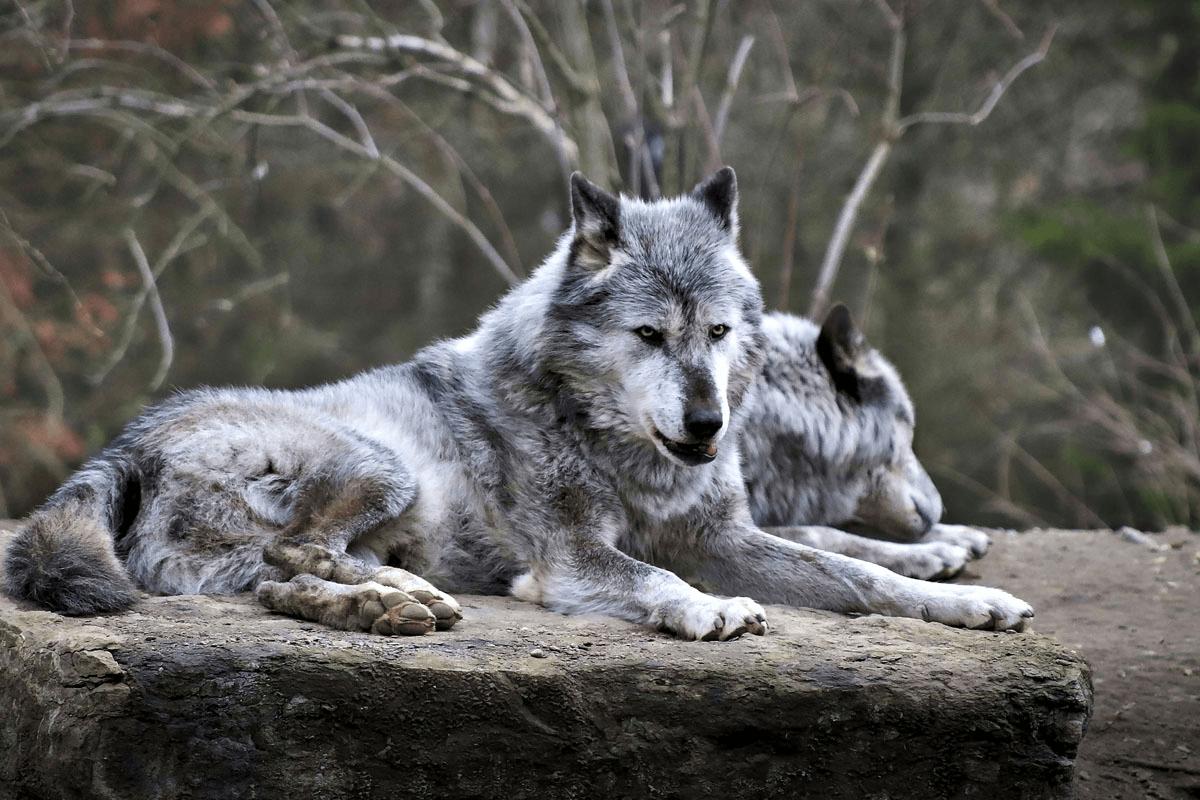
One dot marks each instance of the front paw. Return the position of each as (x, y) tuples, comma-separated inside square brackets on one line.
[(708, 618), (930, 561), (976, 607), (975, 541)]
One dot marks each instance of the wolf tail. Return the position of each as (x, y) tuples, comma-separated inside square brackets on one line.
[(64, 558)]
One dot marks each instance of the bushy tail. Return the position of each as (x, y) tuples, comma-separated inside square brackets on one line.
[(64, 558)]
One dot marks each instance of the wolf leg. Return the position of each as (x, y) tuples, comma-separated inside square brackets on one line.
[(745, 560), (594, 577), (931, 560), (974, 540), (362, 607), (342, 568), (352, 489)]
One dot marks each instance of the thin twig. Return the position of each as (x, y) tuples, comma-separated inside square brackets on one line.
[(165, 340), (399, 170), (51, 385), (731, 83), (993, 8), (180, 243), (989, 104)]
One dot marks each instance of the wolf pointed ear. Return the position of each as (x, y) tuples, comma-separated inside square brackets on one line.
[(597, 217), (718, 192), (840, 345)]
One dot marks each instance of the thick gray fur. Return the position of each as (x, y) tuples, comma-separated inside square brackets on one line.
[(578, 450), (828, 441)]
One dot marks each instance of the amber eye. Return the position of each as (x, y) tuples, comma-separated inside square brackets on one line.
[(718, 331), (649, 334)]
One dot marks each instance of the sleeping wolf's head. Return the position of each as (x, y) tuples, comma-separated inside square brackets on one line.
[(828, 437), (655, 323), (896, 495)]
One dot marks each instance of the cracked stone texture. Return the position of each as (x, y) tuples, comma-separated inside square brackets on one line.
[(202, 697)]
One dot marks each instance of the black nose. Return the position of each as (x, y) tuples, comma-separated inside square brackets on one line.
[(703, 422)]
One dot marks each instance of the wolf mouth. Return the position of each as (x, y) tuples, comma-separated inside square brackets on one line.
[(691, 453)]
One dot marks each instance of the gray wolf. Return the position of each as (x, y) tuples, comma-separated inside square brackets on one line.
[(827, 443), (578, 450)]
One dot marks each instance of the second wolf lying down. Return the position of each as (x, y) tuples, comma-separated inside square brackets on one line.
[(578, 450), (828, 441)]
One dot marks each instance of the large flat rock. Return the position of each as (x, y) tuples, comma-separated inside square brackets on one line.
[(215, 697)]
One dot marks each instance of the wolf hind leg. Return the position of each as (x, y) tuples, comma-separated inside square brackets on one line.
[(351, 490), (342, 568), (365, 606)]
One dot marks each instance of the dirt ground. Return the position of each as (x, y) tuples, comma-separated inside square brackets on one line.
[(1130, 604)]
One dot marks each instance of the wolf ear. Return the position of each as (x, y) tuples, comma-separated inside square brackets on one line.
[(840, 345), (718, 192), (597, 221)]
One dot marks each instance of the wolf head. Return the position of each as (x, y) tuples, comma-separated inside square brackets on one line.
[(897, 496), (654, 325), (828, 434)]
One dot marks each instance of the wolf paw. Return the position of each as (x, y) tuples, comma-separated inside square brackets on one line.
[(363, 607), (975, 541), (715, 618), (444, 608), (930, 561), (390, 612), (976, 607)]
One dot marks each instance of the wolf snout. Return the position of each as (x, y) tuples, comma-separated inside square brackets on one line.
[(703, 422), (929, 512)]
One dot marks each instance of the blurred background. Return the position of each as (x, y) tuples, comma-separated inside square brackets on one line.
[(1007, 194)]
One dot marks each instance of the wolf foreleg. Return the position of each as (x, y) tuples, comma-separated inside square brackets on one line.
[(592, 576), (975, 541), (742, 559), (930, 560)]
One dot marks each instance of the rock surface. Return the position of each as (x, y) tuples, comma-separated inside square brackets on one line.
[(215, 697)]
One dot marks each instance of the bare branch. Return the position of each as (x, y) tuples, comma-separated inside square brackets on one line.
[(576, 81), (892, 130), (360, 125), (731, 83), (836, 248), (51, 385), (180, 243), (894, 20), (993, 8), (512, 99), (544, 87), (48, 270), (845, 224), (710, 135), (993, 98), (624, 85), (165, 340), (399, 170)]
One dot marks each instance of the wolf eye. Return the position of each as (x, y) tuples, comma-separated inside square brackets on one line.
[(649, 334), (718, 331)]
